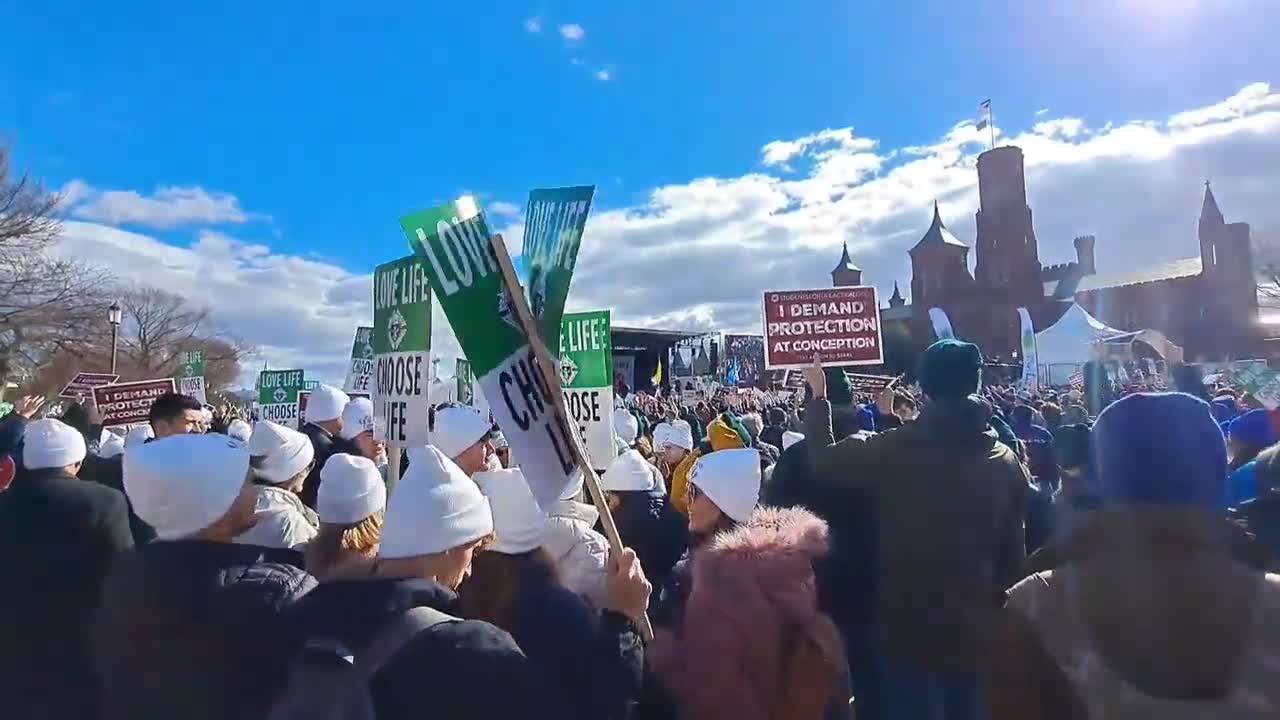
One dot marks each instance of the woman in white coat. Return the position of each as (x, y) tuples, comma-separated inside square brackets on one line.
[(280, 459)]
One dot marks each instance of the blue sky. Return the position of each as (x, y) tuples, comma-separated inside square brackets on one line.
[(322, 122)]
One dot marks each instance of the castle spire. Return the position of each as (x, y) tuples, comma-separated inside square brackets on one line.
[(896, 299), (1209, 212)]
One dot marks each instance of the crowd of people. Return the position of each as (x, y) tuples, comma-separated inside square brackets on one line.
[(957, 550)]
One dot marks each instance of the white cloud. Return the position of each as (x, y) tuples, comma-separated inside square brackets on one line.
[(504, 209), (572, 32), (602, 75), (167, 207), (533, 25), (1041, 111), (699, 254)]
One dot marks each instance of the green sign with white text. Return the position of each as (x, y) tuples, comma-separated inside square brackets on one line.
[(278, 396), (464, 271), (401, 346), (586, 364), (553, 226)]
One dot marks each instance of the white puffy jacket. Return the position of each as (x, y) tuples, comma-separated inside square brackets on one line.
[(581, 554), (282, 521)]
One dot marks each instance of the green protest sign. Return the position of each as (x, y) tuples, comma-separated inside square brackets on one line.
[(191, 363), (360, 372), (464, 379), (190, 374), (278, 396), (401, 344), (586, 362), (553, 227), (466, 276)]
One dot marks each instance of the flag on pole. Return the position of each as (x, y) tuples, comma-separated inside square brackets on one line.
[(657, 374), (984, 115)]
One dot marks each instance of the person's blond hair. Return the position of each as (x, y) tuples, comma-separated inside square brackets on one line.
[(335, 544)]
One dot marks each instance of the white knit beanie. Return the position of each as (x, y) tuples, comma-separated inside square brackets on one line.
[(326, 403), (517, 520), (629, 471), (240, 430), (183, 484), (680, 436), (458, 428), (790, 438), (357, 418), (731, 478), (51, 443), (435, 508), (279, 453), (626, 426), (351, 489)]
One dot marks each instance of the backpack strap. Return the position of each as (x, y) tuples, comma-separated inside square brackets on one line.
[(392, 638)]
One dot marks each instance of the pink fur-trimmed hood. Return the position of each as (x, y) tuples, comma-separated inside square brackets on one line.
[(753, 599)]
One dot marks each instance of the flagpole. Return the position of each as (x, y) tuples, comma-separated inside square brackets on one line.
[(991, 125)]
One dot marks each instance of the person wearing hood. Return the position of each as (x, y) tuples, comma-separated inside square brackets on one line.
[(590, 665), (643, 515), (1129, 646), (435, 523), (351, 506), (744, 649), (192, 625), (724, 488), (581, 554), (323, 427), (943, 484), (465, 437), (280, 459), (58, 537)]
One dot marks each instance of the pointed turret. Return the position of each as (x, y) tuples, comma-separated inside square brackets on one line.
[(896, 299), (846, 274), (938, 235)]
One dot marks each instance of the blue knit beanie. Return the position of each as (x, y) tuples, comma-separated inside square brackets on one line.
[(1159, 449), (950, 368), (1253, 429)]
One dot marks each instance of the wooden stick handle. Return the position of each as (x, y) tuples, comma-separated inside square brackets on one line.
[(546, 365)]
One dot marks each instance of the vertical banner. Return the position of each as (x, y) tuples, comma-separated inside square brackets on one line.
[(190, 375), (941, 325), (278, 396), (462, 376), (1030, 380), (401, 344), (478, 301), (360, 373), (586, 362), (553, 227)]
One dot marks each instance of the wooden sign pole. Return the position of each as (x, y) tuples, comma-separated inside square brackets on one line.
[(546, 365)]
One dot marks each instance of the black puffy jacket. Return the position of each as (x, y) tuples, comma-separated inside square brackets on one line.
[(196, 629), (652, 527)]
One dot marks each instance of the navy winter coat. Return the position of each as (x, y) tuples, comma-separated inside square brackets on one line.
[(468, 670), (58, 537), (196, 629)]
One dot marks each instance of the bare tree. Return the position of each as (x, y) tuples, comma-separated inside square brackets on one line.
[(158, 325), (47, 304), (1266, 264)]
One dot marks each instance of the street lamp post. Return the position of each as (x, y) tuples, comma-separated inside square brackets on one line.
[(113, 316)]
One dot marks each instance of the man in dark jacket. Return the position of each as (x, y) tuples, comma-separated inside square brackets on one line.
[(58, 536), (949, 506), (324, 422), (192, 625)]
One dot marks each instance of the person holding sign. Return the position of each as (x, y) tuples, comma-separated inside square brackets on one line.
[(590, 664)]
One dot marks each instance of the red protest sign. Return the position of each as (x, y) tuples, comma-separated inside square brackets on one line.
[(129, 403), (82, 384), (841, 325)]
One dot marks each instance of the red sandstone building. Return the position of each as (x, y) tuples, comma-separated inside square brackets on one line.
[(1208, 304)]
